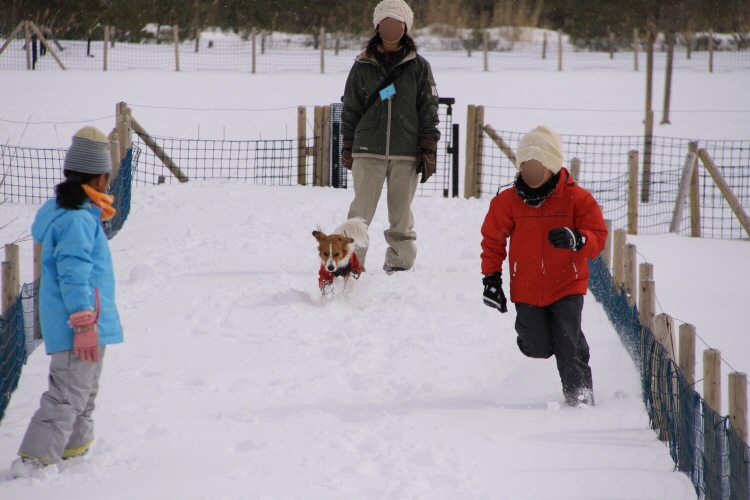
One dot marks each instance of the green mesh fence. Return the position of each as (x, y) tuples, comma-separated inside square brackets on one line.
[(702, 443)]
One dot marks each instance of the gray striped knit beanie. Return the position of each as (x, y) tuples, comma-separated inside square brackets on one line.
[(89, 152)]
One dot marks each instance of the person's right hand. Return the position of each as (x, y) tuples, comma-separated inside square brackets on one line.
[(86, 335), (346, 156), (493, 292)]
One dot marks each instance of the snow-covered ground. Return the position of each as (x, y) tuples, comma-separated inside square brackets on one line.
[(237, 381)]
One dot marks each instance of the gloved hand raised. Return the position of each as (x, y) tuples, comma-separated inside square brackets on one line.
[(86, 335), (566, 238), (493, 292)]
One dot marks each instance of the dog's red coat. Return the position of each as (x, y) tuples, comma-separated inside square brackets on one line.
[(326, 277)]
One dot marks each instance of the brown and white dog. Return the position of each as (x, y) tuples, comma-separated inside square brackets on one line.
[(337, 252)]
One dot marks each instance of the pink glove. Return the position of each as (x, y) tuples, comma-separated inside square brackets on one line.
[(86, 332)]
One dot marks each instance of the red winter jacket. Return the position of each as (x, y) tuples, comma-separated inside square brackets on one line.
[(541, 274), (354, 267)]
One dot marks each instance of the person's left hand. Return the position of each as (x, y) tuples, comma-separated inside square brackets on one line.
[(566, 238), (426, 156)]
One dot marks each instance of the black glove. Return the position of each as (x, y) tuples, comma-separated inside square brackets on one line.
[(346, 153), (564, 237), (426, 154), (493, 292)]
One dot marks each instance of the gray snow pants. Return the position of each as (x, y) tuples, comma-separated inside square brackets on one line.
[(369, 175), (556, 329), (63, 425)]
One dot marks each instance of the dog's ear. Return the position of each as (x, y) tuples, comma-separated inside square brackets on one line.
[(319, 236)]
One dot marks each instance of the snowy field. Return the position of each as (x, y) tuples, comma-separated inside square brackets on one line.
[(237, 380)]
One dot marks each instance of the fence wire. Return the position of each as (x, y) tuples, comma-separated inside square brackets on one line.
[(702, 444), (281, 52), (604, 172)]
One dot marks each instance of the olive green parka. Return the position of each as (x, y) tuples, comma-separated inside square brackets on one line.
[(390, 129)]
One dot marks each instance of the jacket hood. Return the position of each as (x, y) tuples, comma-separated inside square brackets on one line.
[(49, 213)]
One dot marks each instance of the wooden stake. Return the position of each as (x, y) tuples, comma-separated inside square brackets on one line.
[(301, 146), (470, 181), (687, 352), (619, 242), (27, 33), (611, 45), (11, 277), (629, 272), (485, 43), (668, 79), (711, 51), (106, 46), (479, 132), (664, 333), (158, 151), (607, 252), (647, 148), (559, 50), (176, 37), (635, 49), (122, 129), (734, 203), (544, 45), (679, 206), (318, 133), (738, 403), (12, 37), (695, 199), (645, 273), (633, 192), (500, 142), (712, 379), (253, 36), (46, 45), (322, 44), (647, 311), (575, 168)]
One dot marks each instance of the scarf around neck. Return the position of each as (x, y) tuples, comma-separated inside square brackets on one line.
[(536, 196), (101, 200)]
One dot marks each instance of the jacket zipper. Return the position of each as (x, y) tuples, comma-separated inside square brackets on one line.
[(388, 131)]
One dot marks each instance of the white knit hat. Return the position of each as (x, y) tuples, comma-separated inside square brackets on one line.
[(395, 9), (541, 144), (89, 152)]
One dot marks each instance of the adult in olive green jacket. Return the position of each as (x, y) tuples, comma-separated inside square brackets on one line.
[(396, 137)]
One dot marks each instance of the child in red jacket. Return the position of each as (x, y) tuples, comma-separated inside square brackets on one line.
[(554, 227)]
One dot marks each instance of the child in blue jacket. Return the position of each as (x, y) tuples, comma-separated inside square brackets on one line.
[(76, 304)]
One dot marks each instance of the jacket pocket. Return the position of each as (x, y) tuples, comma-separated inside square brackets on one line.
[(409, 127)]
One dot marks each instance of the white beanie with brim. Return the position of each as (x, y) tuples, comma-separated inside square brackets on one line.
[(395, 9), (89, 152), (543, 145)]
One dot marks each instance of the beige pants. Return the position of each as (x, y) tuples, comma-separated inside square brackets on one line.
[(369, 176)]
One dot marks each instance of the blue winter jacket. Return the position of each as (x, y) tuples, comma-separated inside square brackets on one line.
[(75, 261)]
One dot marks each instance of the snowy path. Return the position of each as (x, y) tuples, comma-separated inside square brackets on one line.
[(237, 380)]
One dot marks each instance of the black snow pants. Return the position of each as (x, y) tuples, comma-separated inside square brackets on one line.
[(556, 329)]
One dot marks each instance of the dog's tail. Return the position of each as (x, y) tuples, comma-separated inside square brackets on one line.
[(355, 229)]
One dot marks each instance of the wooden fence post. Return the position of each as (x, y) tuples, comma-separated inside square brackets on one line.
[(12, 36), (325, 140), (575, 168), (611, 45), (664, 333), (479, 151), (27, 34), (687, 352), (668, 79), (721, 183), (711, 50), (485, 43), (106, 46), (559, 50), (544, 45), (712, 379), (254, 36), (633, 192), (500, 143), (679, 204), (176, 37), (646, 297), (649, 120), (738, 403), (301, 145), (470, 181), (695, 199), (607, 252), (322, 44), (11, 277), (619, 242), (629, 272), (635, 49)]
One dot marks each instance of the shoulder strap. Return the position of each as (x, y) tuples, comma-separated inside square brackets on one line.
[(392, 77)]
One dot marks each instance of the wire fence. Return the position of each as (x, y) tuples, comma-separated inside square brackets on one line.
[(272, 52), (604, 172), (703, 444)]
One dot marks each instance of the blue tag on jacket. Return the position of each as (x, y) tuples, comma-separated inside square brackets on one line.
[(387, 92)]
